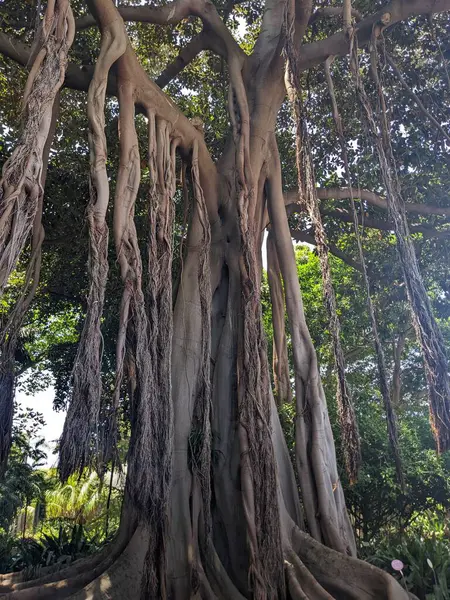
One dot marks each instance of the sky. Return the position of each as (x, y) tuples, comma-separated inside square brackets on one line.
[(43, 403)]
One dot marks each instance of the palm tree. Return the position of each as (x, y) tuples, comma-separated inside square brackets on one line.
[(83, 501)]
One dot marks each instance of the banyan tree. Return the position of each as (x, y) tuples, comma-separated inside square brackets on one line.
[(214, 505)]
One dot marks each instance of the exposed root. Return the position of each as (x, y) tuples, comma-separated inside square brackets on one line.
[(300, 581), (75, 581), (344, 577), (55, 573)]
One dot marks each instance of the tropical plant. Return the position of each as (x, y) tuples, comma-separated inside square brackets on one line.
[(424, 549)]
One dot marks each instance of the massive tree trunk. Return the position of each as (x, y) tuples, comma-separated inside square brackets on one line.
[(212, 506)]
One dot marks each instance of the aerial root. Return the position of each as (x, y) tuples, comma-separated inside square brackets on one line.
[(6, 406), (20, 186), (308, 195), (281, 373), (9, 333), (322, 492), (301, 583), (201, 421), (427, 329), (81, 424), (391, 417)]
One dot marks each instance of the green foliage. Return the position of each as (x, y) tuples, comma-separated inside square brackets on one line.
[(43, 521), (29, 554), (82, 501), (378, 508), (424, 549), (23, 480)]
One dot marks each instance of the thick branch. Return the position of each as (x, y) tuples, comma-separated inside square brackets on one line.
[(342, 215), (345, 216), (370, 197), (174, 12), (184, 58), (338, 44), (206, 40), (333, 11), (78, 77), (308, 238), (169, 14)]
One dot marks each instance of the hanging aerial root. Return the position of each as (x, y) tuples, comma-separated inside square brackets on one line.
[(258, 474), (22, 190), (391, 417), (133, 323), (200, 442), (427, 329), (9, 336), (77, 444), (20, 186), (147, 453), (319, 481), (307, 192), (415, 97), (9, 333), (281, 374), (159, 310)]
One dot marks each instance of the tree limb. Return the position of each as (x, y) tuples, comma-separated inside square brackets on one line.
[(184, 58), (334, 193), (308, 238), (174, 12), (77, 77), (333, 11), (203, 41), (425, 230), (169, 14), (343, 215), (338, 44)]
